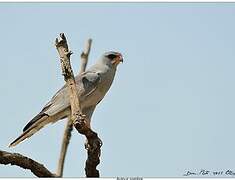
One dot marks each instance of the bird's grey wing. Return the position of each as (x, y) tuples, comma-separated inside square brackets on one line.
[(44, 112), (41, 114), (90, 81), (58, 103), (86, 84)]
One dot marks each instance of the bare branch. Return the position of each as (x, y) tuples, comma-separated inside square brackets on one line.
[(79, 122), (77, 119), (26, 163), (64, 146), (69, 125), (84, 55), (67, 72)]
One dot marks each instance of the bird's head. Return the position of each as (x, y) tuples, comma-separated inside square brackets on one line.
[(112, 58)]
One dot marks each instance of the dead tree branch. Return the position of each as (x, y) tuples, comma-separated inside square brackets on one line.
[(94, 143), (69, 125), (64, 146), (26, 163), (84, 55), (76, 119)]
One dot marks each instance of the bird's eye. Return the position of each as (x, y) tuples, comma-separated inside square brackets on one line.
[(111, 56)]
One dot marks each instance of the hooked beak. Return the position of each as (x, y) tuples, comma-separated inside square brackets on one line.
[(120, 58)]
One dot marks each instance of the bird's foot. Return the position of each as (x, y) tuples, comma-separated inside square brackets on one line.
[(80, 124), (82, 116)]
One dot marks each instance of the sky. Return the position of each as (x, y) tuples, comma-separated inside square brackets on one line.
[(170, 108)]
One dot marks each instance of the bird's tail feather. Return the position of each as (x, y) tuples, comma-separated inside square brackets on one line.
[(40, 123)]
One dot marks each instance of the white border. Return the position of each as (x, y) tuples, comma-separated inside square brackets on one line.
[(133, 1), (113, 1)]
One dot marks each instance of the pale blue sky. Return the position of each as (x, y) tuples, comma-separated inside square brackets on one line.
[(171, 106)]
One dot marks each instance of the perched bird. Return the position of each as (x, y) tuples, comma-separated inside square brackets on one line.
[(92, 85)]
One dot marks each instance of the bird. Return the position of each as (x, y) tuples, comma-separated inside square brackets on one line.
[(92, 85)]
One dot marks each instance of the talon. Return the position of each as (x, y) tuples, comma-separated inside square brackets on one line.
[(82, 116), (81, 125), (79, 122)]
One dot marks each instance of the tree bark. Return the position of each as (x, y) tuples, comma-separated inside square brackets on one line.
[(26, 163), (79, 122), (84, 55), (69, 126), (65, 142)]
